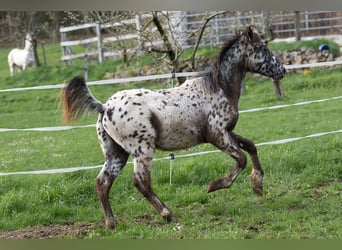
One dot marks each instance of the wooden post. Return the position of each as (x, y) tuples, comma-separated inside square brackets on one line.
[(35, 54), (138, 27), (43, 49), (63, 38), (297, 25), (99, 42), (66, 50), (86, 64), (217, 35)]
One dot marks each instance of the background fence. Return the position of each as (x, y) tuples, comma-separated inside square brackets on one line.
[(118, 38), (169, 158)]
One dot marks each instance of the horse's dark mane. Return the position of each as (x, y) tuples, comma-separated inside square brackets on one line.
[(226, 46), (213, 73)]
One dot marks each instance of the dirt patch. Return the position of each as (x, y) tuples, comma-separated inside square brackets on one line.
[(58, 231), (73, 230)]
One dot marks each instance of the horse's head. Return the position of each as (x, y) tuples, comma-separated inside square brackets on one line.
[(259, 58)]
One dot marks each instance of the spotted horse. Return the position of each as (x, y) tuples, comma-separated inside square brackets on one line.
[(204, 109)]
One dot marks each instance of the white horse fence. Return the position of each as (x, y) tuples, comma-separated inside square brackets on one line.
[(171, 157), (104, 38)]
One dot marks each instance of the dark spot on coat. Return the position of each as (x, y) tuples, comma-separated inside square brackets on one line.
[(125, 113), (156, 124), (135, 134), (110, 114)]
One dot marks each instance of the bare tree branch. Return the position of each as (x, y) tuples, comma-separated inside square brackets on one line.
[(166, 42), (200, 32)]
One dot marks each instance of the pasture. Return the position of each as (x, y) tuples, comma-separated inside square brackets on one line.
[(302, 185)]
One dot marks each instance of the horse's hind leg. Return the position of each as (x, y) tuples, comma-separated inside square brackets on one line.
[(116, 159), (142, 181), (227, 143), (257, 171)]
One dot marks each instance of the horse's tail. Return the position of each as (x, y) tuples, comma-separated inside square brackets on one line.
[(77, 99)]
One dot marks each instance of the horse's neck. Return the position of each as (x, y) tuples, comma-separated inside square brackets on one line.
[(28, 46), (232, 73)]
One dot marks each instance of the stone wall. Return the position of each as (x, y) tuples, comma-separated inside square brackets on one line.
[(304, 55)]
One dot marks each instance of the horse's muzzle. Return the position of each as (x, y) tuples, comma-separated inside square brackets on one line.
[(279, 75)]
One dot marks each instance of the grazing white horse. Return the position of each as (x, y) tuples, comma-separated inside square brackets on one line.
[(21, 58)]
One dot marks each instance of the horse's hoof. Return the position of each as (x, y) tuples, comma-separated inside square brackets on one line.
[(257, 185), (257, 188), (111, 223), (170, 218), (211, 187), (219, 184)]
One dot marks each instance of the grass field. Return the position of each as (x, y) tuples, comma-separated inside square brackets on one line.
[(303, 179)]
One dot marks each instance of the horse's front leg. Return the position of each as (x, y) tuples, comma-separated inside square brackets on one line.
[(227, 143), (257, 171)]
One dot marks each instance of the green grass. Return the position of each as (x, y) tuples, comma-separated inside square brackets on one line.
[(302, 186)]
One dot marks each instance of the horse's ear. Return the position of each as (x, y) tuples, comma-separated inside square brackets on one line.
[(249, 32)]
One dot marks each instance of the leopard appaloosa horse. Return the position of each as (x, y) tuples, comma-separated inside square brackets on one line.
[(204, 109)]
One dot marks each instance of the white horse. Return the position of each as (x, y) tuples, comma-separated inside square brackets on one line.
[(21, 58)]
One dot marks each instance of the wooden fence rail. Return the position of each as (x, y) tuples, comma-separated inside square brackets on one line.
[(283, 25)]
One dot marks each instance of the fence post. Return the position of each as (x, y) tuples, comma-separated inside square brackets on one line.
[(66, 50), (86, 65), (138, 27), (99, 42), (217, 35), (297, 25), (43, 49), (63, 38)]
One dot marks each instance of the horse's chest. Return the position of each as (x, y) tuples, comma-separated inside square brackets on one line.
[(223, 115)]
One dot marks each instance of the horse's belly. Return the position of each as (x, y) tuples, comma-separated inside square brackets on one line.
[(178, 139), (20, 57)]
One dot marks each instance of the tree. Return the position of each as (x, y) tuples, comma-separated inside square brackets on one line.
[(170, 30), (161, 34)]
